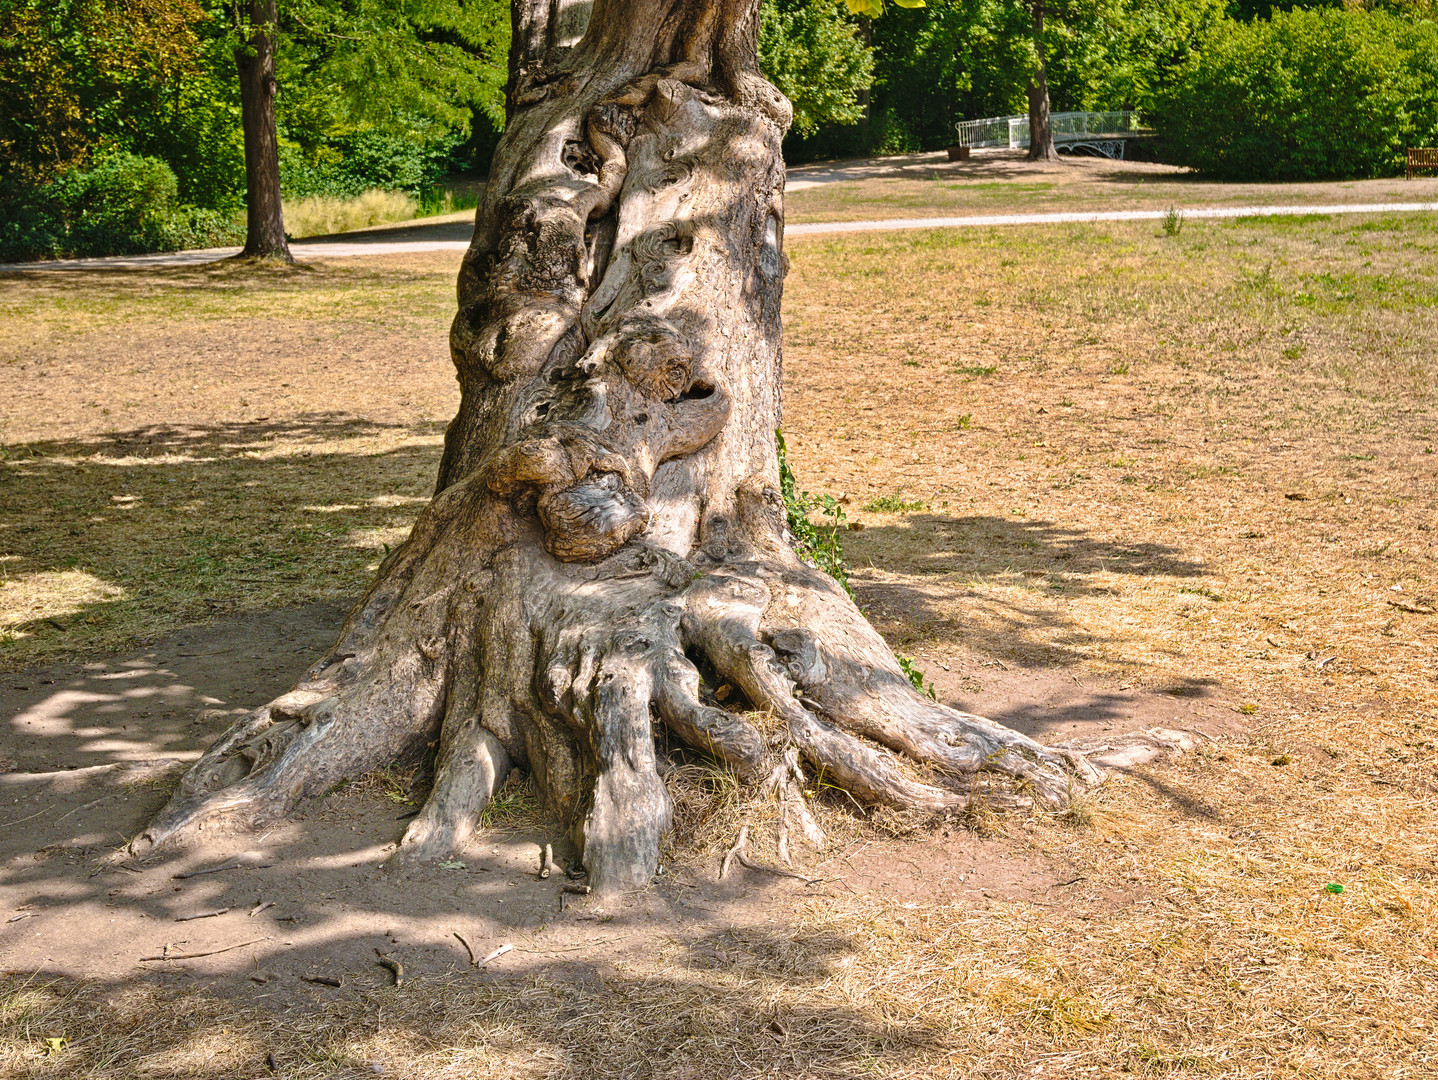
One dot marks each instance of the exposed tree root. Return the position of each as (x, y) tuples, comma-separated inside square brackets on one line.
[(608, 522)]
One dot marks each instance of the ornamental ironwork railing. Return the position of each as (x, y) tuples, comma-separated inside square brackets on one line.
[(1068, 127)]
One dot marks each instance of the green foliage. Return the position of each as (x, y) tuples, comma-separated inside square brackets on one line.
[(373, 94), (811, 51), (892, 504), (818, 545), (960, 59), (124, 204), (392, 66), (915, 676), (1310, 95), (345, 166)]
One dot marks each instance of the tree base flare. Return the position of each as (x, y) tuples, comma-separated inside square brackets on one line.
[(608, 524)]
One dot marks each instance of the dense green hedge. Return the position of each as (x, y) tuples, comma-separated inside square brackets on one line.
[(125, 204), (345, 166), (1308, 95)]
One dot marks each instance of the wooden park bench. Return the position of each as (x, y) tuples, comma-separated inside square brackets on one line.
[(1422, 157)]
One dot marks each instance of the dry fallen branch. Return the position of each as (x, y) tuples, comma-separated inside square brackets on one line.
[(466, 948), (497, 953), (395, 967), (167, 955), (202, 915), (546, 861), (323, 980), (233, 864)]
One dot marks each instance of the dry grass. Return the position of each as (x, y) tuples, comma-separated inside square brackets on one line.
[(1003, 183), (200, 441), (321, 215), (1118, 497)]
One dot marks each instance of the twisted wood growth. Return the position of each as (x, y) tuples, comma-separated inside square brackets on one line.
[(607, 520)]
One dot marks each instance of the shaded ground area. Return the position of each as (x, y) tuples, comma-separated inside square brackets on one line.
[(1094, 478)]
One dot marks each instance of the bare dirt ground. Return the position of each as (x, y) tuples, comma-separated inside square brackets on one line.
[(1094, 478)]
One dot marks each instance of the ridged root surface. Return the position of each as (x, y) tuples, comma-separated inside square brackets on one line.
[(607, 522)]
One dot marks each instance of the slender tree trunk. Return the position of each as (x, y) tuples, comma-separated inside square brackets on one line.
[(1041, 131), (264, 219), (607, 543)]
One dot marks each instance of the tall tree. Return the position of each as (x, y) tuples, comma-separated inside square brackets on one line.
[(255, 59), (1041, 129), (607, 541)]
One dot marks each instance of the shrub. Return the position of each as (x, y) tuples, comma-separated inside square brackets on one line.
[(124, 205), (347, 167), (1308, 95)]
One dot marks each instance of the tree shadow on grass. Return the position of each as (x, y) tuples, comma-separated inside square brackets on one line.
[(1014, 573), (111, 539)]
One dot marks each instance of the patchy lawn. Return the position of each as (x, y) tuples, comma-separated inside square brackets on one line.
[(1004, 183), (1158, 476)]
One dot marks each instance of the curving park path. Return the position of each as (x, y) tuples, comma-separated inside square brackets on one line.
[(872, 192)]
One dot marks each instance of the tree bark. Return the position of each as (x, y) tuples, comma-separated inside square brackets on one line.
[(255, 59), (607, 522), (1041, 131)]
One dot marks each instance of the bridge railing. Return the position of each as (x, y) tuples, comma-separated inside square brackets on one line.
[(1013, 131)]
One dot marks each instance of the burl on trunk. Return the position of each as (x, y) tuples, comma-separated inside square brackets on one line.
[(607, 519)]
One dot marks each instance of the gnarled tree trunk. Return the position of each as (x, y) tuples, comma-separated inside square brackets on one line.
[(607, 520)]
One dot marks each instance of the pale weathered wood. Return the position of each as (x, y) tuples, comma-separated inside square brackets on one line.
[(607, 505)]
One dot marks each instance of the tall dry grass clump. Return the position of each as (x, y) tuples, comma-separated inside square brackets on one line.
[(321, 215)]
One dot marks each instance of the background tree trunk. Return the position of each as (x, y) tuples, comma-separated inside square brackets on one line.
[(607, 541), (264, 219), (1041, 131)]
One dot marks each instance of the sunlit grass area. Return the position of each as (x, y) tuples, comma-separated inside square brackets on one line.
[(1199, 461), (1003, 183)]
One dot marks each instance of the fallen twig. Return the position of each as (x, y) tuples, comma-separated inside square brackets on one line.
[(497, 953), (322, 980), (167, 955), (202, 915), (394, 966), (466, 948), (23, 915), (263, 906), (574, 888), (546, 861), (97, 802), (233, 864)]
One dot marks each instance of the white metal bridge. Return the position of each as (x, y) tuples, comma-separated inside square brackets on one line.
[(1100, 133)]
